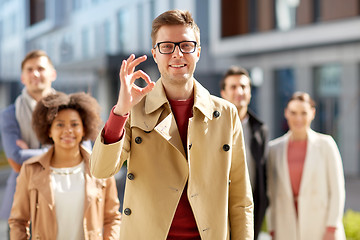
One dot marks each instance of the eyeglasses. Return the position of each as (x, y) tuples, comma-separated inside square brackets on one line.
[(169, 47)]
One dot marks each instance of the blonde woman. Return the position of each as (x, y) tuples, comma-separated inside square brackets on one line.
[(306, 180), (55, 191)]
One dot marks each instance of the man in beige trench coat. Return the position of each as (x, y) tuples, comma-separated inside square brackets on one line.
[(187, 174)]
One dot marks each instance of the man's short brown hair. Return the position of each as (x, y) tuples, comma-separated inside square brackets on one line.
[(48, 107), (234, 70), (35, 54), (174, 17)]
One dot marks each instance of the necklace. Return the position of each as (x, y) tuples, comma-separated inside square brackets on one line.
[(67, 171)]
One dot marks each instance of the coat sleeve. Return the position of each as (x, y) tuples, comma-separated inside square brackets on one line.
[(112, 217), (336, 183), (10, 132), (107, 159), (240, 194), (20, 212)]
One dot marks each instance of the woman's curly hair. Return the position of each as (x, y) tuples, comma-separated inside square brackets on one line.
[(48, 107)]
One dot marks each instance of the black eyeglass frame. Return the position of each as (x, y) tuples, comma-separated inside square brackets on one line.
[(176, 44)]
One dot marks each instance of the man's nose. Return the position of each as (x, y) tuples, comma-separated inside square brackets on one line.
[(36, 73), (177, 51), (240, 90)]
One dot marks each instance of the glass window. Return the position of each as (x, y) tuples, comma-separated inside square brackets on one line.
[(202, 19), (284, 88), (257, 79), (327, 86), (76, 5), (85, 42), (121, 29), (1, 30), (99, 39), (37, 11), (171, 4), (66, 49), (140, 27), (107, 36), (286, 14)]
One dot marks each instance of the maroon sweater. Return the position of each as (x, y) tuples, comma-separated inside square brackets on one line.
[(183, 225)]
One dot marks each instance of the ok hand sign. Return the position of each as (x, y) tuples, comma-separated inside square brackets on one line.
[(130, 94)]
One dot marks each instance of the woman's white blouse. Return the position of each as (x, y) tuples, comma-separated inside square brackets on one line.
[(68, 185)]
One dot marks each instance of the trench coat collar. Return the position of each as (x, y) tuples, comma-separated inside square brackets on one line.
[(202, 100), (42, 180), (308, 164)]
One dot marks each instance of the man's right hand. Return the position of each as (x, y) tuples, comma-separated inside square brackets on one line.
[(130, 94), (22, 144)]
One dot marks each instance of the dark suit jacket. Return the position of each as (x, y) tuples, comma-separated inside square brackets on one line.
[(258, 148)]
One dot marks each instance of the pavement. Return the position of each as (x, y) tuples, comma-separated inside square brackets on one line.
[(352, 185)]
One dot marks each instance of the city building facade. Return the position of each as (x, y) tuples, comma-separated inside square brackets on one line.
[(287, 45)]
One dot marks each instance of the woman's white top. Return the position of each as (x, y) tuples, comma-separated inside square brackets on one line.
[(68, 185)]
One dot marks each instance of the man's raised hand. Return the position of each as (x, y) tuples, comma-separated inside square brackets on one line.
[(130, 94)]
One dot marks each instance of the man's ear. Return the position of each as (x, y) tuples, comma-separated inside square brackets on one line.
[(22, 79), (198, 53), (153, 52), (54, 75), (222, 94)]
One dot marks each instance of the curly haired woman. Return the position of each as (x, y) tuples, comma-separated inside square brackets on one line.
[(55, 191)]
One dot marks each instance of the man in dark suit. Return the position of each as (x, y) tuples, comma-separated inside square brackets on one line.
[(236, 88)]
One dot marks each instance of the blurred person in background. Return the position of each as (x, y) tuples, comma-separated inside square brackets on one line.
[(187, 174), (305, 179), (55, 191), (18, 138), (235, 87)]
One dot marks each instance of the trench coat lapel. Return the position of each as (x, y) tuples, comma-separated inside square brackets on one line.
[(309, 163), (158, 116), (42, 179), (167, 128), (91, 187), (156, 107), (284, 167)]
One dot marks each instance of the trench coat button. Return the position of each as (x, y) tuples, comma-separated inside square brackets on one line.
[(131, 176), (127, 211), (216, 114), (226, 147), (138, 140), (190, 146)]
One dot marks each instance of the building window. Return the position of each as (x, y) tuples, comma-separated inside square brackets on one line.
[(37, 11), (107, 36), (257, 79), (202, 19), (99, 39), (76, 5), (316, 11), (286, 14), (85, 42), (284, 88), (66, 49), (1, 30), (171, 4), (121, 29), (327, 86)]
